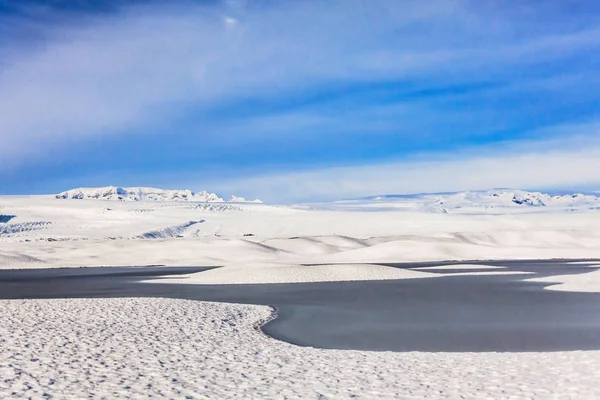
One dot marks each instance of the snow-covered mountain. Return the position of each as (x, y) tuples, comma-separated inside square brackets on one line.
[(144, 194), (236, 199), (501, 199)]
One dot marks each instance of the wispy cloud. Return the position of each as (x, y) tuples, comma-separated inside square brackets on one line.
[(152, 75), (569, 162)]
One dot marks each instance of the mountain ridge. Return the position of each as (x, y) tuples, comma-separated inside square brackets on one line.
[(477, 199), (117, 193)]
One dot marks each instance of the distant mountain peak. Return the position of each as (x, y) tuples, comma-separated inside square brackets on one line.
[(467, 201), (115, 193)]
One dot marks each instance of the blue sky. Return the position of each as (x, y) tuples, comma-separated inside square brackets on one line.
[(295, 101)]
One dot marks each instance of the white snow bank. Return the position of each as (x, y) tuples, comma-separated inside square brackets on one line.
[(486, 273), (261, 273), (458, 266), (475, 246), (588, 282), (164, 348), (9, 260), (256, 273)]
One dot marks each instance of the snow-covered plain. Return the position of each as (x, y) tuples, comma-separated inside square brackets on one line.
[(137, 348), (141, 348), (43, 231)]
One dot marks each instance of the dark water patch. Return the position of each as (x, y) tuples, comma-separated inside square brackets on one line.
[(29, 275), (6, 218), (458, 313)]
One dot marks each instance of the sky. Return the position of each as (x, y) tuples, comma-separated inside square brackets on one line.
[(293, 101)]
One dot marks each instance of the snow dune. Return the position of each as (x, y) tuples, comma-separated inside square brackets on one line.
[(264, 272), (47, 232), (257, 273)]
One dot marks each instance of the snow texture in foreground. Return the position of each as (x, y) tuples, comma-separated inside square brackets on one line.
[(588, 282), (137, 348)]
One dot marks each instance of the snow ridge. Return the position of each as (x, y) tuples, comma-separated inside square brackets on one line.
[(170, 232)]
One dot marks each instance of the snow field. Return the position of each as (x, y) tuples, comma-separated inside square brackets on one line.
[(46, 232), (137, 348), (256, 273)]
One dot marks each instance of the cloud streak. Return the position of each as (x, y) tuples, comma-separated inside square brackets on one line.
[(539, 165), (152, 75)]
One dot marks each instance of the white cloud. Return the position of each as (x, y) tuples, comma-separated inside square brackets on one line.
[(552, 164), (125, 73)]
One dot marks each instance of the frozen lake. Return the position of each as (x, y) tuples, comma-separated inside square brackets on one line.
[(460, 313)]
